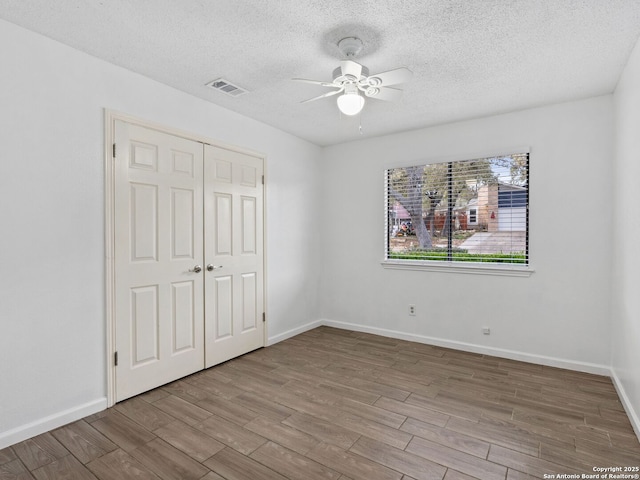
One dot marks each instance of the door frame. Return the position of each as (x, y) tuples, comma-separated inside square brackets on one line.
[(110, 118)]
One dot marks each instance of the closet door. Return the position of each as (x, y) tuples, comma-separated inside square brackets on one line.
[(159, 291), (234, 278)]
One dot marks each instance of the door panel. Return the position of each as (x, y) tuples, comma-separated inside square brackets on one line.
[(159, 300), (144, 156), (144, 323), (249, 223), (222, 308), (249, 301), (182, 234), (182, 315), (233, 194), (223, 226), (144, 222)]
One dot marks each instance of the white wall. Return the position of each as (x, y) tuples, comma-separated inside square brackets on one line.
[(626, 257), (556, 316), (52, 335)]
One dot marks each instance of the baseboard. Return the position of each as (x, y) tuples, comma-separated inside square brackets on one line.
[(470, 347), (293, 332), (51, 422), (633, 415)]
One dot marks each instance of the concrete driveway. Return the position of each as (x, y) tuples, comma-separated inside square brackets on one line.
[(495, 242)]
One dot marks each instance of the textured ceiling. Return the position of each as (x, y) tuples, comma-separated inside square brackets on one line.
[(470, 58)]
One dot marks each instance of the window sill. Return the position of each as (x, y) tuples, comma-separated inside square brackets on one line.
[(476, 269)]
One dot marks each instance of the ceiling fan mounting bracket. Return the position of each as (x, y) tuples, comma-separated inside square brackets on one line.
[(350, 46)]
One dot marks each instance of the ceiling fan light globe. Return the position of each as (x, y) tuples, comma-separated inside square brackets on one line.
[(350, 103)]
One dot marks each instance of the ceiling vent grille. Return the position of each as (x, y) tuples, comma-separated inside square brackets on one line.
[(226, 87)]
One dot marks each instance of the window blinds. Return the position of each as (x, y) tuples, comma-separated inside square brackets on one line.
[(464, 211)]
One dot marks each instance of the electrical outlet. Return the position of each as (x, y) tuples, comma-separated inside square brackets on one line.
[(412, 310), (486, 330)]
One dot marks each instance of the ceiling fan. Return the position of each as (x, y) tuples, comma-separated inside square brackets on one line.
[(353, 81)]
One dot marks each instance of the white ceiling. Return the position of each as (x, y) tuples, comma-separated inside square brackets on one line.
[(470, 58)]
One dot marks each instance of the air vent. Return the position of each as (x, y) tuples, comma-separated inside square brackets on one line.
[(226, 87)]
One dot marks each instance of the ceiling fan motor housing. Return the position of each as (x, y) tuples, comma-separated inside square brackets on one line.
[(340, 79)]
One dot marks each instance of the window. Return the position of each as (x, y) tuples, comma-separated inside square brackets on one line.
[(464, 211)]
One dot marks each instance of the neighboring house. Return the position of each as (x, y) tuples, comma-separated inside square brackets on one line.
[(460, 217), (500, 208), (397, 217)]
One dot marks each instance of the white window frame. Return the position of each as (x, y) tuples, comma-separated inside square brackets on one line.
[(499, 269)]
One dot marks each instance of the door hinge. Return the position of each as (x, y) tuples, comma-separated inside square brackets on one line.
[(114, 150), (115, 359), (263, 179), (264, 317)]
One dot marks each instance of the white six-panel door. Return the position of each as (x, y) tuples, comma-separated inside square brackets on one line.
[(159, 298), (160, 228), (234, 254)]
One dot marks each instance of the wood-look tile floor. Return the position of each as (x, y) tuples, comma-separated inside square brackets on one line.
[(336, 405)]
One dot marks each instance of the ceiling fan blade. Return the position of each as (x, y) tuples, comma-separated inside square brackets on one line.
[(328, 94), (314, 82), (349, 67), (392, 77), (384, 93)]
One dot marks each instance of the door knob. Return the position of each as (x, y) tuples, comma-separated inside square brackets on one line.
[(196, 269), (211, 268)]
